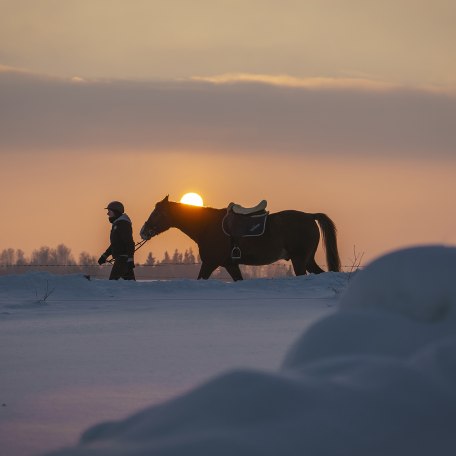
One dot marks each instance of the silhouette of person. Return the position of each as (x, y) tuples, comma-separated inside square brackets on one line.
[(122, 247)]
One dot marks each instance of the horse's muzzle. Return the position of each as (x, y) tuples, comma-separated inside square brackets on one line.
[(146, 233)]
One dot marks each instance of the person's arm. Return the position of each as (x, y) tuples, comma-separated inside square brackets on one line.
[(105, 256)]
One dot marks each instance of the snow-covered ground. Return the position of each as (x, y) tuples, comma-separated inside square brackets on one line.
[(292, 366), (101, 350)]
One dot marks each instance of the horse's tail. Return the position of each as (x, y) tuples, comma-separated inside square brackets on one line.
[(328, 229)]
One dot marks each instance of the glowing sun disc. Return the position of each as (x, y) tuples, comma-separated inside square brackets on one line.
[(192, 198)]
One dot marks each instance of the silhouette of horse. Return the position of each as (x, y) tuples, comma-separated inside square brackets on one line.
[(289, 235)]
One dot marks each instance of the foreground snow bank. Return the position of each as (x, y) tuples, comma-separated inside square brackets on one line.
[(378, 377)]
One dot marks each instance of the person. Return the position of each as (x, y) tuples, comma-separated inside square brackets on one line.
[(122, 247)]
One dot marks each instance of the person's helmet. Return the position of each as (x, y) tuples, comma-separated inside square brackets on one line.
[(116, 206)]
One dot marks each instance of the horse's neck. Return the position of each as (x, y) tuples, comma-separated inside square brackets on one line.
[(191, 222)]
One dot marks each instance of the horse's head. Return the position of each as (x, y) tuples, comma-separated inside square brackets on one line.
[(159, 220)]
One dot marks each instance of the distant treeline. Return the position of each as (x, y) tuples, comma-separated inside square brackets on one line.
[(62, 256), (60, 260)]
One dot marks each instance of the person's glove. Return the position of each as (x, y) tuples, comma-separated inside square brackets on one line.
[(130, 263), (102, 259)]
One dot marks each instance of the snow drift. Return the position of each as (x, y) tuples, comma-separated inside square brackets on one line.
[(375, 378)]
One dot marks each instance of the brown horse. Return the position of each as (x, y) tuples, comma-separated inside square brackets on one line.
[(289, 235)]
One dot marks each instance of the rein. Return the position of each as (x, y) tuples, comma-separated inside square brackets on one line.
[(139, 244)]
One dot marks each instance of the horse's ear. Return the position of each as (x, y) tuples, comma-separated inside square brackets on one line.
[(165, 199)]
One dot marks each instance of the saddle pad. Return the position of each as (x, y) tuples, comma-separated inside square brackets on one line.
[(237, 225)]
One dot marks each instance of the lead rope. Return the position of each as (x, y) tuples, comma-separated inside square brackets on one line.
[(139, 244)]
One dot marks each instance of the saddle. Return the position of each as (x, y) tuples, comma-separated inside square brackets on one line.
[(242, 222), (238, 209)]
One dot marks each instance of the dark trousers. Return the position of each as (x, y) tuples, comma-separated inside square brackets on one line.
[(121, 270)]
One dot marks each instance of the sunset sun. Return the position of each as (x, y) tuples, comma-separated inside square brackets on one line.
[(192, 198)]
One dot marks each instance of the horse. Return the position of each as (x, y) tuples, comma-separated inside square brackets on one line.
[(288, 235)]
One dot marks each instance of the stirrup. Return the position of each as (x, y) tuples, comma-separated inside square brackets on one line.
[(236, 253)]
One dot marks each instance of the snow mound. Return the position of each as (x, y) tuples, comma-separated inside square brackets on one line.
[(377, 377), (418, 283), (398, 304)]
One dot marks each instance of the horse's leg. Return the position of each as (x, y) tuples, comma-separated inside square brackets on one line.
[(313, 267), (206, 271), (299, 265), (234, 272)]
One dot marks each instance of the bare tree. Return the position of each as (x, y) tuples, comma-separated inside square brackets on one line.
[(58, 256), (42, 256), (7, 257), (20, 258), (85, 259), (63, 255)]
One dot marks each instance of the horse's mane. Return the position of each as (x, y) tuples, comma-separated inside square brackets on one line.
[(198, 208)]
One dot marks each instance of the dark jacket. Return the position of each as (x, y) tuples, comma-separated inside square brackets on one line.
[(122, 243)]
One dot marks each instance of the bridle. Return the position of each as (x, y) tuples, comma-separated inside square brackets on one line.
[(150, 230)]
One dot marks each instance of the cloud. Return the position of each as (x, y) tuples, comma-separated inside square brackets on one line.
[(320, 83), (231, 113), (283, 80)]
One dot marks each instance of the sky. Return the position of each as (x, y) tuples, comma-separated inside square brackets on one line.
[(346, 108)]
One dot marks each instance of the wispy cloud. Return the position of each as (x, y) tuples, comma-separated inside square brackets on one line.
[(283, 80), (320, 83), (230, 113)]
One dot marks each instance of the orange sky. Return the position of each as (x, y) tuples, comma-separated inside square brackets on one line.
[(377, 206)]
